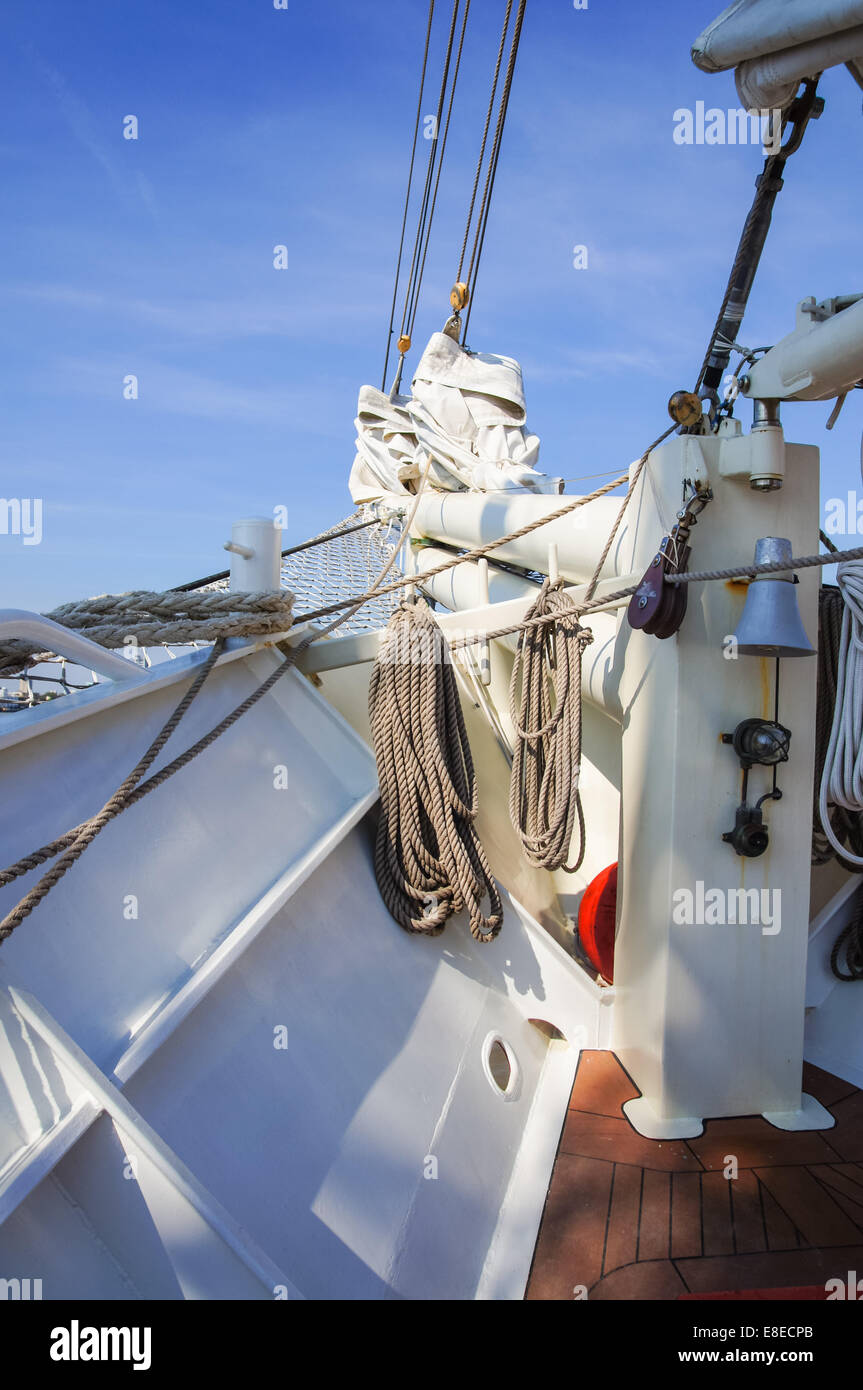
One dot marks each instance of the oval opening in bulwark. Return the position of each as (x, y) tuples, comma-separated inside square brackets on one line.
[(499, 1065)]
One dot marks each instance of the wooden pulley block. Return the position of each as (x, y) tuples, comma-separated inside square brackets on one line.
[(404, 344), (459, 295), (656, 607)]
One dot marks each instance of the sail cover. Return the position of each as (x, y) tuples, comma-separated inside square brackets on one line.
[(465, 412), (774, 44)]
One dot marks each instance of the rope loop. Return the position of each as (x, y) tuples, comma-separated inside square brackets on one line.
[(427, 852), (545, 706)]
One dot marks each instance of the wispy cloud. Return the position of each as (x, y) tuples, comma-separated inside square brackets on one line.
[(177, 391), (84, 127), (241, 317)]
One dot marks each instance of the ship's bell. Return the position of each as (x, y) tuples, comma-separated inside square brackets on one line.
[(770, 624)]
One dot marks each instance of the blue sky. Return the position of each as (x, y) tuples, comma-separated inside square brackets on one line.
[(260, 127)]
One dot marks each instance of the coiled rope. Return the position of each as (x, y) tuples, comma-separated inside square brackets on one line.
[(842, 775), (838, 828), (544, 795), (847, 826), (544, 799), (427, 852)]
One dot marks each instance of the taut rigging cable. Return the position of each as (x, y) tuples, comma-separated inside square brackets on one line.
[(479, 162), (421, 272), (482, 216), (434, 168), (408, 193)]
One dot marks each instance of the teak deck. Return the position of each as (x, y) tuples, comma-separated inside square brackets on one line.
[(634, 1218)]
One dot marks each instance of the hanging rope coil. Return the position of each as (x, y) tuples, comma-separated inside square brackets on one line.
[(429, 862), (847, 826), (545, 705), (842, 777), (838, 824)]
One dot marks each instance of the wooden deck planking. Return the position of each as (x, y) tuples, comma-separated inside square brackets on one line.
[(629, 1217)]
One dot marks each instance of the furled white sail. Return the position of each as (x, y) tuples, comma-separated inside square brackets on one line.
[(774, 44), (466, 412)]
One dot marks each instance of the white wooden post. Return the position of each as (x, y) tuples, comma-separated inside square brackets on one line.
[(255, 548)]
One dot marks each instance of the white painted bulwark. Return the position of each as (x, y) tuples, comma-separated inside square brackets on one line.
[(305, 1107)]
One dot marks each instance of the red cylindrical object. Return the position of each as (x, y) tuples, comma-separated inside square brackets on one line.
[(596, 921)]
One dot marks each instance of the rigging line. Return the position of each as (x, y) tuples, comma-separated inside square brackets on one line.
[(480, 551), (473, 272), (440, 164), (334, 534), (133, 789), (410, 295), (408, 193), (479, 162), (489, 178)]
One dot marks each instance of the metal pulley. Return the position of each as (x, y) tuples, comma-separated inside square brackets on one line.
[(656, 607)]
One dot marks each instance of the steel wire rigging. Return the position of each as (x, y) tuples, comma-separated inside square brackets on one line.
[(487, 163)]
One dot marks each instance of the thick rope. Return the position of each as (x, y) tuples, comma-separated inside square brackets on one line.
[(842, 775), (132, 789), (429, 862), (799, 562), (546, 714), (544, 796), (847, 826), (152, 618)]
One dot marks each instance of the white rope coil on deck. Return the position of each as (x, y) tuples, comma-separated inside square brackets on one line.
[(842, 778)]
